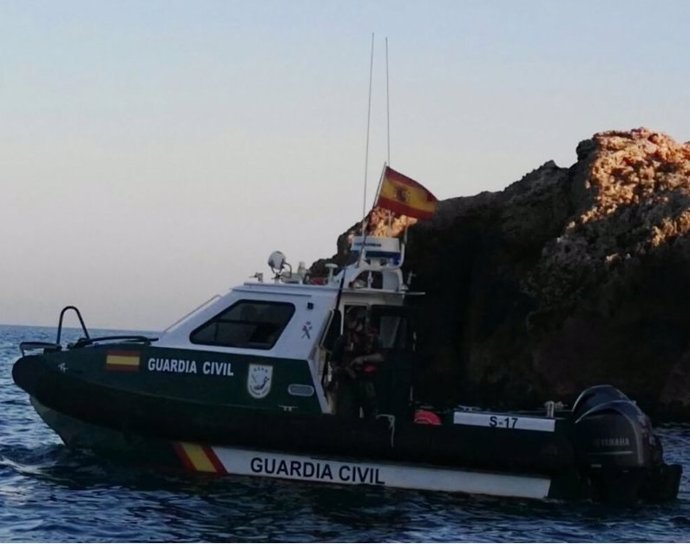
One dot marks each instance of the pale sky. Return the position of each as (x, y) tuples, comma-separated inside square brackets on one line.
[(154, 153)]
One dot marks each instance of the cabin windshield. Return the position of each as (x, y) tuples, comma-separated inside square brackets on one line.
[(191, 314), (388, 330), (250, 324), (393, 326)]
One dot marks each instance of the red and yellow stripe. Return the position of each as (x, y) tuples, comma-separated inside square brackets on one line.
[(199, 458), (122, 361)]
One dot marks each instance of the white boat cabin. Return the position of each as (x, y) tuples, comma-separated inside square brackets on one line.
[(293, 317)]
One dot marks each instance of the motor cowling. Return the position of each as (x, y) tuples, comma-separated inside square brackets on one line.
[(595, 395), (616, 433)]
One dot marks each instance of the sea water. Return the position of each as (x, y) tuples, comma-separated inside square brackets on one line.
[(50, 493)]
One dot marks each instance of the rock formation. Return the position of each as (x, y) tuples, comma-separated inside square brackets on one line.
[(567, 278)]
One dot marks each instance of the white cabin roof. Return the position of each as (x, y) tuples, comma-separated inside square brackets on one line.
[(374, 278)]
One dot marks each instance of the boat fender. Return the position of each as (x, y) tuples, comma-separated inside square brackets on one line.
[(426, 417)]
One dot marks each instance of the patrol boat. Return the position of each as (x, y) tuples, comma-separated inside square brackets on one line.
[(240, 386)]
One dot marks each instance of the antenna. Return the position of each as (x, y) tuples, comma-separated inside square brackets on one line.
[(388, 106), (366, 155), (389, 214)]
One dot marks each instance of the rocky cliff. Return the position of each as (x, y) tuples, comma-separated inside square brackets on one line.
[(567, 278)]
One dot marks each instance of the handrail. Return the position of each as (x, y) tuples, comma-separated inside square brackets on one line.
[(86, 340), (62, 315), (131, 337), (31, 346)]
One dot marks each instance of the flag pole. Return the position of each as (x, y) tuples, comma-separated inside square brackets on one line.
[(365, 221), (381, 178)]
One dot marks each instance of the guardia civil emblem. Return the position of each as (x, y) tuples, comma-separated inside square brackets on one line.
[(259, 380)]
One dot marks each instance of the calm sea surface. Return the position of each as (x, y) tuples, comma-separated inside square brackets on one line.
[(49, 493)]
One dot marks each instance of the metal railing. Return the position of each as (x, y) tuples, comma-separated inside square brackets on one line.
[(85, 340)]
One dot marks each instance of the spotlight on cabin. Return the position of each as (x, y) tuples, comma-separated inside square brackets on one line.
[(276, 261)]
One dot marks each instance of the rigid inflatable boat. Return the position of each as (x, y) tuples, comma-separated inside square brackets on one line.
[(240, 386)]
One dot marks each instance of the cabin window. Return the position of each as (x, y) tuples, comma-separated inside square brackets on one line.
[(249, 324), (333, 331), (389, 328), (394, 326)]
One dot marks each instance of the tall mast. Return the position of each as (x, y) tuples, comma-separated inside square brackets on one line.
[(388, 107), (366, 154), (389, 218)]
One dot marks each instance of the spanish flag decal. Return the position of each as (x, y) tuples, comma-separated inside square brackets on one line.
[(122, 361), (404, 196), (199, 458)]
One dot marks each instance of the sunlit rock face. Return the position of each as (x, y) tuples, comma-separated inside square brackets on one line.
[(567, 278)]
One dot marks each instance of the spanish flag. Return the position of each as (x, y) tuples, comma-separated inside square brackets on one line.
[(122, 361), (404, 196)]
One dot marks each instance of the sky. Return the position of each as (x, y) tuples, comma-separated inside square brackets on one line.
[(154, 153)]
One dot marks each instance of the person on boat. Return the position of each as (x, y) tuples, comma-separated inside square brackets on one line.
[(355, 361)]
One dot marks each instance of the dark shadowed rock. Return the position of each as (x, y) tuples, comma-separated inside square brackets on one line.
[(565, 279)]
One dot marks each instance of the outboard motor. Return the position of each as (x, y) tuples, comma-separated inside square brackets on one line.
[(618, 448), (616, 434)]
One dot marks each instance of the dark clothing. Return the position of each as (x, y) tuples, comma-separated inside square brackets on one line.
[(354, 383)]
